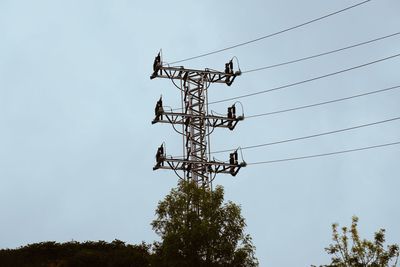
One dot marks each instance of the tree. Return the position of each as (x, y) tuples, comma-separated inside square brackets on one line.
[(198, 229), (360, 253)]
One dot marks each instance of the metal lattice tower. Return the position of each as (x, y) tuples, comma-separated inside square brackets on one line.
[(197, 124)]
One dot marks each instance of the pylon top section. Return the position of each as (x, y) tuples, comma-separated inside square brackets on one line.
[(196, 122)]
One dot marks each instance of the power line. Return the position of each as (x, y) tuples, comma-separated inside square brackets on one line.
[(322, 54), (324, 154), (304, 81), (272, 34), (310, 136), (323, 103)]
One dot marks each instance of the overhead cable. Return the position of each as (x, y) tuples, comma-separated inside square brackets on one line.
[(321, 54), (324, 154), (272, 34), (305, 81), (309, 136), (323, 103)]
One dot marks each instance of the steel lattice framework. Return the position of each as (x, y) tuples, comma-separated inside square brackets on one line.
[(196, 122)]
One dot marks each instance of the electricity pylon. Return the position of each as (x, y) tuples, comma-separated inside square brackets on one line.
[(196, 123)]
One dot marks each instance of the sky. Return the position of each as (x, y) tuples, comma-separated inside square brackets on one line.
[(76, 103)]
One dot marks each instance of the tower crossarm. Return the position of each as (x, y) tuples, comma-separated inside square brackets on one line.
[(188, 165), (206, 75), (184, 119)]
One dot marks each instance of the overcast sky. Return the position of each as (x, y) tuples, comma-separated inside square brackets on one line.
[(77, 145)]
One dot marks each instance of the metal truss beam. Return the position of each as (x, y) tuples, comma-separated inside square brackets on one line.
[(188, 165), (211, 120), (207, 75)]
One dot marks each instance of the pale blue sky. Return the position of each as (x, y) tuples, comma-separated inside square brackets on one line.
[(76, 103)]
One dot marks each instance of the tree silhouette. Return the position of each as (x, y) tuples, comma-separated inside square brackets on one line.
[(357, 252), (198, 229)]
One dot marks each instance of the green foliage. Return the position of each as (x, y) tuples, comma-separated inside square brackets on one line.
[(198, 229), (75, 254), (354, 252)]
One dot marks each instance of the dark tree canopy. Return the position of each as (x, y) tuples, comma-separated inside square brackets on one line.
[(198, 229), (75, 254), (352, 251)]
